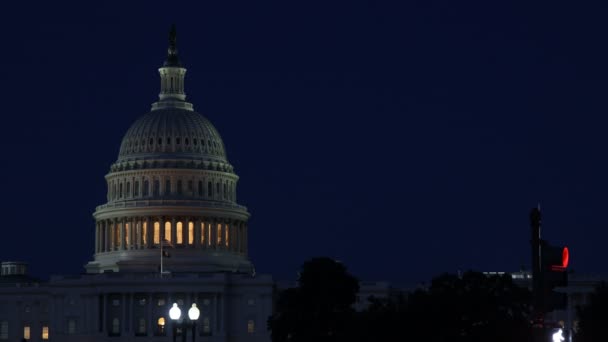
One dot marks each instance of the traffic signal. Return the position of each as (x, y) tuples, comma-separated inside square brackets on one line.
[(554, 274)]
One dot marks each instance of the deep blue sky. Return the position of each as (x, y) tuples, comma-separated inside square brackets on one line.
[(405, 139)]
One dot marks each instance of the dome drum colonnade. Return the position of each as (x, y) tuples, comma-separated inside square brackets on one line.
[(172, 182)]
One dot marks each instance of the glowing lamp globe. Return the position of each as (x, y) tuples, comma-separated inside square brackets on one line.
[(194, 313), (175, 312)]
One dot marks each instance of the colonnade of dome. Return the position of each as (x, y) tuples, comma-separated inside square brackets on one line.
[(131, 233)]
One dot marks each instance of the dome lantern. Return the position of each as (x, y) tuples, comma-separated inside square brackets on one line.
[(172, 76)]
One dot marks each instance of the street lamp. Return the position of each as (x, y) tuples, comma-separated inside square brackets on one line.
[(193, 314), (175, 314)]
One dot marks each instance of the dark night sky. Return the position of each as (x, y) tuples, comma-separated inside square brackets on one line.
[(403, 139)]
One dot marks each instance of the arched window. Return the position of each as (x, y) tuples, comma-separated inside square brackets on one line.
[(190, 186), (120, 190), (128, 189), (136, 189), (156, 187), (209, 190), (156, 233), (168, 231), (167, 187), (144, 232), (190, 233), (146, 189), (200, 188), (227, 235), (127, 234), (179, 232), (217, 189), (219, 235), (180, 190)]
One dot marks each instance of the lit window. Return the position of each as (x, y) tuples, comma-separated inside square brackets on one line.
[(250, 326), (4, 330), (71, 326), (115, 326), (127, 233), (179, 232), (26, 332), (219, 234), (144, 232), (156, 233), (168, 231), (209, 233), (190, 232), (45, 332), (227, 235), (160, 323), (141, 328), (160, 302)]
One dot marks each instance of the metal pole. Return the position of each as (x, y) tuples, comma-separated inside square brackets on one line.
[(174, 331), (194, 331), (161, 258)]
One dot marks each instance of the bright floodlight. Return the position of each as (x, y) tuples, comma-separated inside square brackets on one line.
[(194, 312), (175, 312), (558, 336)]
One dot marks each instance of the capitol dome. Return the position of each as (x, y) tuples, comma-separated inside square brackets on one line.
[(172, 133), (171, 192)]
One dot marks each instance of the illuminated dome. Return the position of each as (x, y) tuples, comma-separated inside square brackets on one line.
[(172, 133), (171, 188)]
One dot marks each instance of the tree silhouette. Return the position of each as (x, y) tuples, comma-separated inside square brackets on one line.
[(593, 317), (320, 308)]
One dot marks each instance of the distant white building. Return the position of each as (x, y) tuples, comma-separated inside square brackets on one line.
[(172, 188)]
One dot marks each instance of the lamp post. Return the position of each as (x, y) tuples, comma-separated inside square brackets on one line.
[(175, 314), (193, 314)]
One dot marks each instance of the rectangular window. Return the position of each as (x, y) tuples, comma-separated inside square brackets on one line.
[(144, 232), (168, 187), (71, 326), (45, 332), (250, 326), (4, 330), (26, 332), (141, 329), (206, 325), (179, 187), (179, 232)]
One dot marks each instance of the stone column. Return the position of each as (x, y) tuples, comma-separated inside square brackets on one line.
[(213, 242), (197, 233), (123, 230), (149, 232), (106, 229), (174, 231), (245, 229)]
